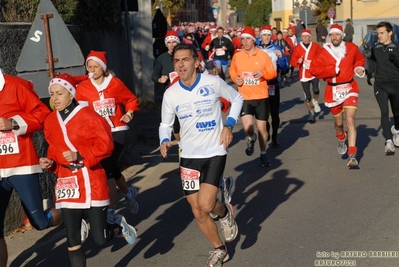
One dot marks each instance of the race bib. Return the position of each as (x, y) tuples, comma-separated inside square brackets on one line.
[(8, 143), (220, 52), (249, 78), (306, 63), (272, 90), (341, 91), (189, 179), (105, 107), (173, 75), (67, 188)]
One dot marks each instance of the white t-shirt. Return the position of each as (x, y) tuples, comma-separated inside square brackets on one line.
[(199, 112)]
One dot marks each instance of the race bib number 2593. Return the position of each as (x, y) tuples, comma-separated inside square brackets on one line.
[(67, 188), (189, 179)]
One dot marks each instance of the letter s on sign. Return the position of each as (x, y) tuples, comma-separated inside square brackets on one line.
[(37, 36)]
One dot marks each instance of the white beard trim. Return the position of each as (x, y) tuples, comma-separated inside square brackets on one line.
[(339, 51)]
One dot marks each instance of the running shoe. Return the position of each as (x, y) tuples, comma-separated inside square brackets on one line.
[(311, 117), (213, 215), (128, 231), (250, 145), (226, 186), (110, 216), (389, 147), (395, 135), (316, 106), (264, 161), (133, 205), (217, 258), (84, 231), (228, 224), (352, 162), (342, 148)]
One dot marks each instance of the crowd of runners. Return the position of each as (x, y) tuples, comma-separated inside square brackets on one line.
[(86, 131)]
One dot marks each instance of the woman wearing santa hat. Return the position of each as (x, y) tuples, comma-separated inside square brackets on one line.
[(106, 94), (78, 140)]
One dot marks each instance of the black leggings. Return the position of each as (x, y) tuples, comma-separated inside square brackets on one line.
[(274, 104), (100, 230), (306, 88), (384, 92), (110, 164)]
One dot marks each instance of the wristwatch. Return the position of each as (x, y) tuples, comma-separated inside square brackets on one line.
[(15, 125), (228, 127)]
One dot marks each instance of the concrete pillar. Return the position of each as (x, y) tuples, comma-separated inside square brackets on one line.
[(142, 52)]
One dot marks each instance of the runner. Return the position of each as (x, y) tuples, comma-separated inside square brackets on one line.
[(250, 69), (337, 63), (78, 140), (105, 94), (19, 167), (222, 47), (302, 57), (384, 61), (204, 143), (279, 60)]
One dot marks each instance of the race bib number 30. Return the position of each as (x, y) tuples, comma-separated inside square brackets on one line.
[(220, 52), (189, 179), (105, 107), (8, 143), (67, 188), (341, 91), (249, 78)]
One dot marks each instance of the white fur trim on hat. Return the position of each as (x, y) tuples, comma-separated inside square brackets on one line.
[(99, 61), (172, 38), (262, 32), (335, 30), (243, 35), (63, 83)]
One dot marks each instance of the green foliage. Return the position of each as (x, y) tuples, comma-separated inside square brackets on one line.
[(169, 7), (257, 13), (21, 10), (238, 5), (321, 9), (94, 15)]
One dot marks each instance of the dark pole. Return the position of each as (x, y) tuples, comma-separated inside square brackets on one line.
[(129, 40), (49, 60)]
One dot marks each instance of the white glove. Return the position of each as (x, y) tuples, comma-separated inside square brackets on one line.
[(207, 47)]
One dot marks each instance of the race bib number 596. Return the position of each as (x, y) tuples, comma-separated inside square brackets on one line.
[(189, 179), (8, 143)]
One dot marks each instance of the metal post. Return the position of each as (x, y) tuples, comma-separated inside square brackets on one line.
[(128, 40)]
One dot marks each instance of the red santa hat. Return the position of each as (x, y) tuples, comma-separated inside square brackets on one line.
[(248, 32), (213, 28), (285, 30), (336, 28), (171, 36), (68, 81), (306, 32), (99, 57), (266, 30)]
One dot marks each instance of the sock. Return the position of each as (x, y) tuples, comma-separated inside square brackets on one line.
[(340, 136), (225, 214), (352, 150), (77, 258), (263, 152), (222, 247)]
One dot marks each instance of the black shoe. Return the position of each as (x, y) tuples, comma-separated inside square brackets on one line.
[(250, 145), (264, 161)]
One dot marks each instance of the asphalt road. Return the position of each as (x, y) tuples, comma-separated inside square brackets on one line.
[(307, 209)]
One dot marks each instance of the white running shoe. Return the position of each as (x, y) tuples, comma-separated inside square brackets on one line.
[(352, 162), (316, 106), (217, 258), (389, 147), (342, 148), (226, 185), (395, 135), (84, 231), (229, 225)]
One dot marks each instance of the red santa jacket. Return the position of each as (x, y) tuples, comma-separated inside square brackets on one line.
[(291, 43), (84, 132), (113, 92), (207, 41), (307, 54), (20, 102), (237, 44), (338, 72)]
